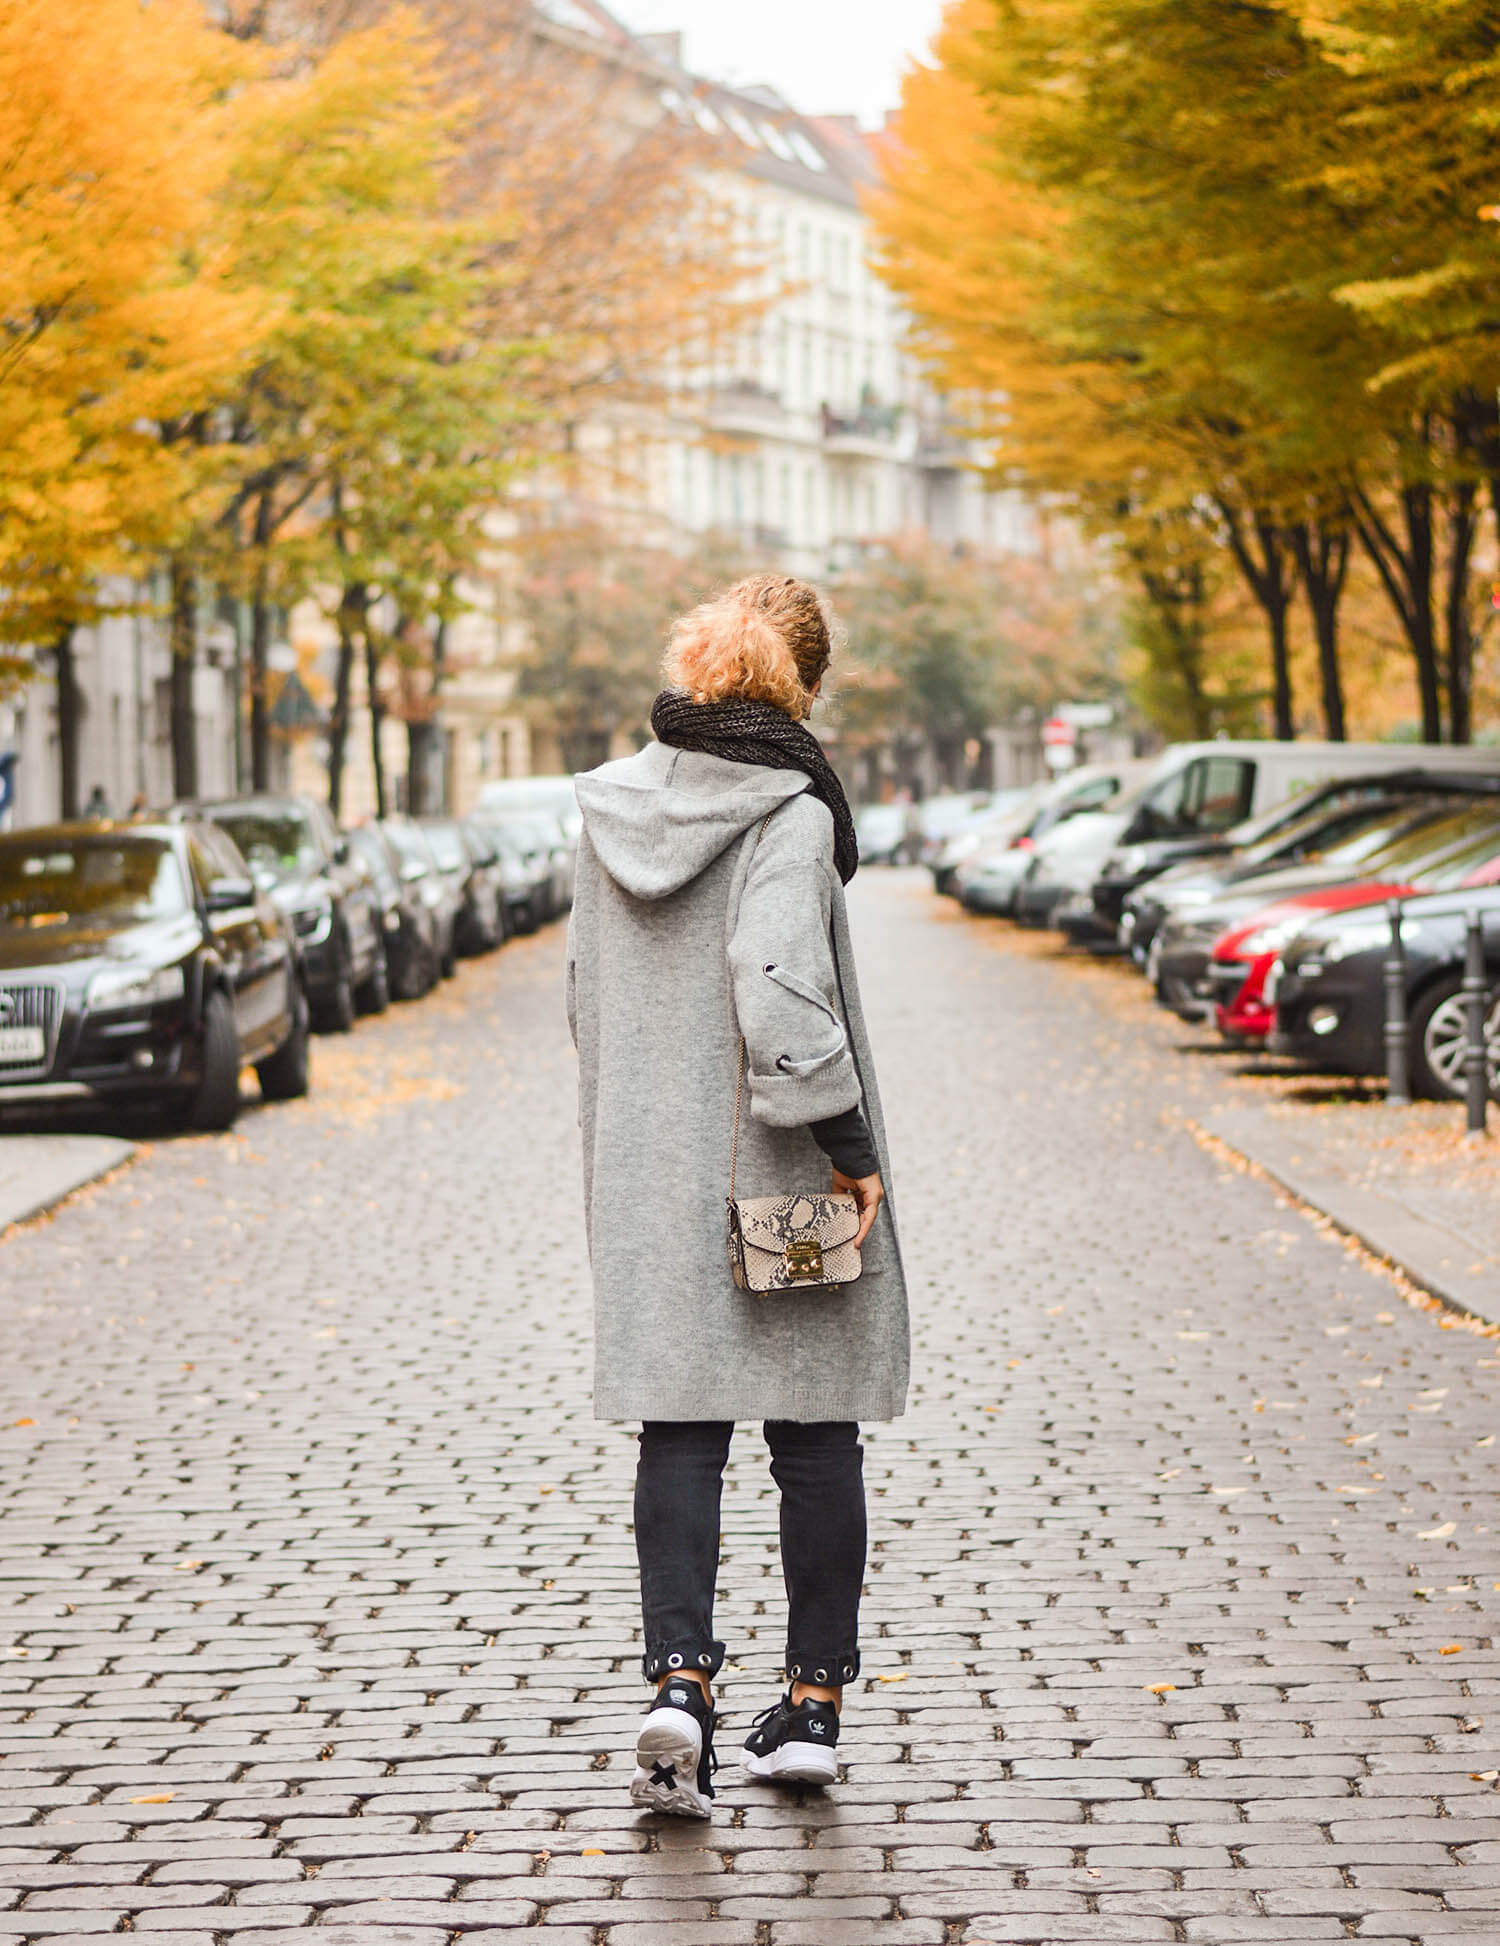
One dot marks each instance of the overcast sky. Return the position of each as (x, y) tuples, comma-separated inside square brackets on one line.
[(839, 57)]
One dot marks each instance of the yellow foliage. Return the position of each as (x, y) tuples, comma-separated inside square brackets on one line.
[(118, 312)]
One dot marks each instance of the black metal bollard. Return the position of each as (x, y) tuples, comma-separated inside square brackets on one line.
[(1476, 1049), (1397, 1066)]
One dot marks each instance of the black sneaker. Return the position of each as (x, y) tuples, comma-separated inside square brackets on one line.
[(794, 1744), (674, 1753)]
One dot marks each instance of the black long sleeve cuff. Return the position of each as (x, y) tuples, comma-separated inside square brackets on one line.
[(846, 1141)]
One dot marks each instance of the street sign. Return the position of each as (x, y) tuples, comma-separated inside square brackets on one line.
[(1086, 716), (1058, 733)]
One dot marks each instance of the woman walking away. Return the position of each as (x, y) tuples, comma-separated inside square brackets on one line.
[(723, 1054)]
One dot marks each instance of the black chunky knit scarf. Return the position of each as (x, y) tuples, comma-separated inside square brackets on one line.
[(749, 732)]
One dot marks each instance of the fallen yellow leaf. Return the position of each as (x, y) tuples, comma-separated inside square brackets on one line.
[(592, 1851), (155, 1797), (1371, 1383), (1484, 1776), (1012, 1364), (1489, 1440), (1160, 1688), (1385, 1317), (1451, 1648), (1439, 1533), (900, 1676), (183, 1566), (23, 1422)]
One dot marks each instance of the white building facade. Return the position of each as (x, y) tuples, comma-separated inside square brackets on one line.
[(807, 437)]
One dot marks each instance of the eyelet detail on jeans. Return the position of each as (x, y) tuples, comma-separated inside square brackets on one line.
[(674, 1661)]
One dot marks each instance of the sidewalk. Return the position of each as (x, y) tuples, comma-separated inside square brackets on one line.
[(38, 1171), (1401, 1180)]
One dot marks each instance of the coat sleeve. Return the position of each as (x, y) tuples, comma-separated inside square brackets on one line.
[(800, 1065)]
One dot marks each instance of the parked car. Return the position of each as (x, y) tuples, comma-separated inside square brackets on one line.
[(1458, 851), (296, 851), (141, 963), (545, 845), (555, 796), (1197, 792), (1202, 911), (1327, 990), (525, 876), (885, 833), (986, 878), (939, 816), (1299, 832), (407, 920), (479, 925), (1189, 813), (438, 891)]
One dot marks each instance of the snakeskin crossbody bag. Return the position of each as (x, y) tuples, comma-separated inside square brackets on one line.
[(804, 1241)]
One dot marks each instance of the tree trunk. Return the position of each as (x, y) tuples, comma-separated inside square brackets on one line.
[(1271, 579), (260, 650), (1405, 570), (69, 720), (1178, 602), (184, 641), (1323, 559), (1462, 525), (421, 732), (377, 719), (351, 622)]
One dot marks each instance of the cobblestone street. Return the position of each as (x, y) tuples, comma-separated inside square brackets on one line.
[(318, 1578)]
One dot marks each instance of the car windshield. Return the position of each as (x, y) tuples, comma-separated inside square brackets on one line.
[(1434, 840), (51, 881), (367, 846), (1346, 834), (447, 847), (280, 842), (416, 859), (1472, 864)]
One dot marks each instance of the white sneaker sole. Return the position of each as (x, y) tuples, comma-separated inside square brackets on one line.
[(666, 1756), (793, 1763)]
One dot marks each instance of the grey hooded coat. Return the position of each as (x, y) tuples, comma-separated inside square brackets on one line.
[(696, 919)]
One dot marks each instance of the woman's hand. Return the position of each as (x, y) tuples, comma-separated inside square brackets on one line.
[(868, 1193)]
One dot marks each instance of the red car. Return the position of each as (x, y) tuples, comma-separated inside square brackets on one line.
[(1460, 851)]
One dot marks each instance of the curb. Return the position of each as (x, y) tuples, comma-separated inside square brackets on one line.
[(1459, 1271), (38, 1171)]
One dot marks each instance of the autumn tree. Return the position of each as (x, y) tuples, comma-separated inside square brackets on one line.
[(116, 125), (597, 610), (944, 643)]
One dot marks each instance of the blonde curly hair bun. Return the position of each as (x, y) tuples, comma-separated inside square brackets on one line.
[(770, 638)]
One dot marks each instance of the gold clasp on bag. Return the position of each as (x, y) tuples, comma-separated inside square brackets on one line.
[(804, 1257)]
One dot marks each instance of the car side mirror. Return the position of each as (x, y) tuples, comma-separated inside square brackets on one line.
[(228, 894)]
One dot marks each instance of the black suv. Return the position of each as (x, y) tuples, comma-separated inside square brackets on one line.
[(307, 864), (140, 963)]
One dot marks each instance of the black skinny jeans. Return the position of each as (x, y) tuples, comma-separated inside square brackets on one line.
[(820, 1471)]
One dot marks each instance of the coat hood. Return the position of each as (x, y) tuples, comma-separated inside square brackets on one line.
[(659, 819)]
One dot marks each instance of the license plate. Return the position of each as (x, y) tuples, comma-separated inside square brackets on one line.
[(22, 1044)]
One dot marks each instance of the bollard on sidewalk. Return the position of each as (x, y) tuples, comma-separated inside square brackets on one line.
[(1397, 1065), (1476, 1046)]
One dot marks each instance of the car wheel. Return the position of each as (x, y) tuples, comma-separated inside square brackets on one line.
[(375, 995), (284, 1076), (448, 964), (216, 1103), (1439, 1030)]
